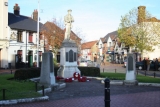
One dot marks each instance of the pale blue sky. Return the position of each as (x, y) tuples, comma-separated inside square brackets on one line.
[(95, 18)]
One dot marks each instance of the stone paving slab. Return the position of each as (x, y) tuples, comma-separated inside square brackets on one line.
[(144, 99), (91, 94)]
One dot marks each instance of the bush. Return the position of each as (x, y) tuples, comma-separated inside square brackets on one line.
[(26, 73), (89, 71), (55, 62)]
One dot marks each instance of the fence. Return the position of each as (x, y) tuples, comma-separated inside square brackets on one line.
[(138, 72), (9, 94)]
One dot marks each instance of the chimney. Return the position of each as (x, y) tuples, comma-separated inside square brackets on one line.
[(16, 9), (141, 14), (35, 15)]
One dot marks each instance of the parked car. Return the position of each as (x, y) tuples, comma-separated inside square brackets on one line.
[(83, 63), (125, 62), (139, 65), (90, 63)]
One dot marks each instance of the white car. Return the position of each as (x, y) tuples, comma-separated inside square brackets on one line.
[(125, 62), (83, 63)]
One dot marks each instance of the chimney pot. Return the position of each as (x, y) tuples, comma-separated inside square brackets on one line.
[(16, 9), (35, 15)]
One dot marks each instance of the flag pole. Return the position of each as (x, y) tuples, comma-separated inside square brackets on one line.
[(38, 36)]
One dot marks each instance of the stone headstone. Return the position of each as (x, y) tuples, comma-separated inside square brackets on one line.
[(47, 77), (130, 78)]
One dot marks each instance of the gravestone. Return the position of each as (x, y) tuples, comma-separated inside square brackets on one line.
[(47, 77), (68, 60), (130, 78)]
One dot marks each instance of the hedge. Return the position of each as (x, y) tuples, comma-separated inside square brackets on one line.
[(26, 73)]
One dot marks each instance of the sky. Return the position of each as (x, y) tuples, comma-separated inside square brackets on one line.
[(93, 18)]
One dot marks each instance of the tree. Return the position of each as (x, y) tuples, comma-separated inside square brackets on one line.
[(53, 36), (138, 29)]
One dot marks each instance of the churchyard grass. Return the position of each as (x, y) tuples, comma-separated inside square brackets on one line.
[(16, 89), (121, 76)]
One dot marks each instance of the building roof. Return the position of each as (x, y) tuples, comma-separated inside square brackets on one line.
[(112, 35), (88, 45), (52, 27), (102, 39), (22, 22)]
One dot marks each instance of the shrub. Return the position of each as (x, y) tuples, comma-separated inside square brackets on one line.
[(55, 62), (89, 71), (26, 73)]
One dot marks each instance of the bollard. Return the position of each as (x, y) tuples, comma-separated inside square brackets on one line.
[(103, 70), (107, 92), (11, 71), (137, 72), (145, 73), (43, 90), (3, 94), (36, 85), (154, 74), (115, 70)]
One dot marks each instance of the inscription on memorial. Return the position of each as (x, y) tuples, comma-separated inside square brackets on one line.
[(130, 63), (75, 56), (70, 56), (66, 56)]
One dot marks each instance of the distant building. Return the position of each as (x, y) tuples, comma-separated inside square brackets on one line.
[(89, 51)]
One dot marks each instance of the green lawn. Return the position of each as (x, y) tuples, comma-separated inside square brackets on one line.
[(26, 89), (17, 89), (121, 76)]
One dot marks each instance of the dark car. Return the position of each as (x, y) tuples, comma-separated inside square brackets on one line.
[(140, 65)]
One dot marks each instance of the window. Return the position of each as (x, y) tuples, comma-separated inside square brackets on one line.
[(19, 52), (103, 48), (109, 44), (19, 36), (100, 45), (30, 37), (26, 57)]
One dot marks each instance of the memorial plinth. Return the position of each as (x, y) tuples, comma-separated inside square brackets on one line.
[(130, 78), (68, 59), (47, 77)]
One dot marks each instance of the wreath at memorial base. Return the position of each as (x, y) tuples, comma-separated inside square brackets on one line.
[(82, 79), (76, 75), (68, 79), (59, 78)]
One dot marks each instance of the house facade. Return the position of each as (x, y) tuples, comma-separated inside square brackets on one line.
[(21, 40), (89, 51), (4, 42)]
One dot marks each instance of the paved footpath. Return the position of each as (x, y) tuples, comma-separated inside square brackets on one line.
[(91, 94)]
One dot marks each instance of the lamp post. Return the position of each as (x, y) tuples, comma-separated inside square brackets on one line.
[(38, 36)]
